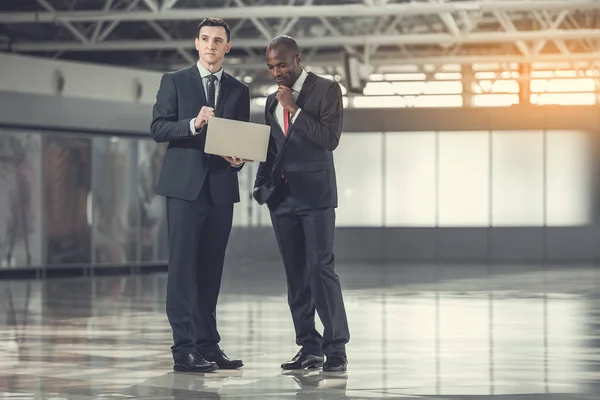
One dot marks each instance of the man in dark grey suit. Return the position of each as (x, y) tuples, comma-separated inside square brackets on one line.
[(200, 191), (298, 184)]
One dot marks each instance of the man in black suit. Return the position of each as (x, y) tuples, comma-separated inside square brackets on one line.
[(298, 184), (200, 191)]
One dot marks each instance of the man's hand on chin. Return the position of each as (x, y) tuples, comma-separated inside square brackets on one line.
[(286, 99)]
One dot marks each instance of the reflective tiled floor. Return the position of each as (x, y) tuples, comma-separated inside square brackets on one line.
[(423, 331)]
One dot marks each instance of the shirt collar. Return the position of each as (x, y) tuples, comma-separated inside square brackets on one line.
[(204, 72), (297, 87)]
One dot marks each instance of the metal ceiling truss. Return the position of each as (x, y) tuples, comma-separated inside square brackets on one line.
[(383, 34)]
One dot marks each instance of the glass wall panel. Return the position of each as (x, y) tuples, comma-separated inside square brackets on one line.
[(115, 200), (463, 170), (67, 198), (91, 199), (154, 234), (255, 214), (570, 179), (517, 178), (20, 198), (410, 179), (358, 164), (242, 211)]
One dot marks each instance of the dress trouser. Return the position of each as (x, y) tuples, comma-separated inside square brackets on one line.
[(198, 235), (305, 240)]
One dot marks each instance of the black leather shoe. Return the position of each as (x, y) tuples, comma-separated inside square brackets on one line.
[(194, 362), (304, 361), (336, 362), (218, 356)]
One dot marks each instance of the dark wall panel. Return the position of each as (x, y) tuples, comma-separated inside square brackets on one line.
[(573, 243), (517, 244)]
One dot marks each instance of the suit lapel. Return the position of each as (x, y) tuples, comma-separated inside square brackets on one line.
[(198, 88), (308, 86), (271, 105), (271, 108), (223, 92)]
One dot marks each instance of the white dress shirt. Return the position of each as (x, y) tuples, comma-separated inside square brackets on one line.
[(204, 73), (295, 92)]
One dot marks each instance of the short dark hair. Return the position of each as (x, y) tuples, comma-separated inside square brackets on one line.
[(284, 41), (215, 22)]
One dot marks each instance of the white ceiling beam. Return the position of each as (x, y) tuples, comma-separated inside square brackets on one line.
[(574, 24), (468, 24), (111, 27), (165, 35), (257, 23), (450, 23), (334, 31), (98, 27), (508, 26), (391, 61), (390, 29), (152, 5), (331, 41), (555, 24), (67, 25), (167, 4), (448, 20), (545, 20), (301, 11), (286, 26)]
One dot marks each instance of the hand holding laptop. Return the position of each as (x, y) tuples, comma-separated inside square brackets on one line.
[(234, 161)]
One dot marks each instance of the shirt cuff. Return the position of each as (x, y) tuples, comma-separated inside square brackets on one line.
[(192, 127), (293, 119)]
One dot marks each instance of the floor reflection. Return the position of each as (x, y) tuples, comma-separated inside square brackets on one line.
[(428, 331)]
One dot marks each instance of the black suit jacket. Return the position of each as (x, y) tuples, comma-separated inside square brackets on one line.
[(179, 99), (305, 155)]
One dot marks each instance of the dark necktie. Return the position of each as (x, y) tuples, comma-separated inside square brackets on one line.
[(211, 90)]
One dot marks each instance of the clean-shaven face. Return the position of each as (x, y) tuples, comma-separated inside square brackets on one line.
[(284, 66), (212, 44)]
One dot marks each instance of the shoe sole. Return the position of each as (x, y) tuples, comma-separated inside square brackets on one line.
[(338, 369), (314, 366), (232, 367), (179, 368)]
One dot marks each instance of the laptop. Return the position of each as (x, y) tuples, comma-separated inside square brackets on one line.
[(232, 138)]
